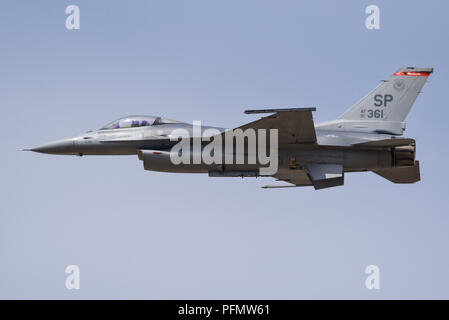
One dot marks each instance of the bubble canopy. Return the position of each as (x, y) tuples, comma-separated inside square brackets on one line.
[(137, 121)]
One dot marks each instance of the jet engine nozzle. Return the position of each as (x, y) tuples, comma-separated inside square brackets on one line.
[(404, 156)]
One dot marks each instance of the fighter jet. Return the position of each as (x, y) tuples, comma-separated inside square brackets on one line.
[(367, 137)]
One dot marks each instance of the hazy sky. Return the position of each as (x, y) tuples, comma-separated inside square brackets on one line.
[(141, 234)]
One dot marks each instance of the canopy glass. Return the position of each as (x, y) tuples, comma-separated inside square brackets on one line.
[(137, 121)]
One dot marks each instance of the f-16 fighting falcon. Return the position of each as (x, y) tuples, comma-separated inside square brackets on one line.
[(367, 137)]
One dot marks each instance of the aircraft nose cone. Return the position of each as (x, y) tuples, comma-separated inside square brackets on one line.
[(57, 147)]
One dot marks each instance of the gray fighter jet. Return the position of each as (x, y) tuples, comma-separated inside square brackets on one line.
[(367, 137)]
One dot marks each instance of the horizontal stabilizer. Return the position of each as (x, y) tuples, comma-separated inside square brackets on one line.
[(408, 174), (386, 143)]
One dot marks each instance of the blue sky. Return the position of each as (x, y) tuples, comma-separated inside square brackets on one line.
[(139, 234)]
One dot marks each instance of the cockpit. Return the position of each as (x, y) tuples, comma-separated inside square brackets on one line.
[(137, 121)]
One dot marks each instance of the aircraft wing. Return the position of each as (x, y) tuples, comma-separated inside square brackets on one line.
[(294, 125)]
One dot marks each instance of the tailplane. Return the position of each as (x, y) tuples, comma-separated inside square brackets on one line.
[(405, 174)]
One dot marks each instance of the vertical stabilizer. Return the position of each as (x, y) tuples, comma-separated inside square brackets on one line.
[(392, 99)]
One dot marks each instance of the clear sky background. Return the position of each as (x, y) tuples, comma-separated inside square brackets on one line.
[(141, 234)]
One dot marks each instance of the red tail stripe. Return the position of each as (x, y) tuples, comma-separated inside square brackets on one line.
[(408, 73)]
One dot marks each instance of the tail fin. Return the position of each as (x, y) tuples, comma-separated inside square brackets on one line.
[(392, 99)]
